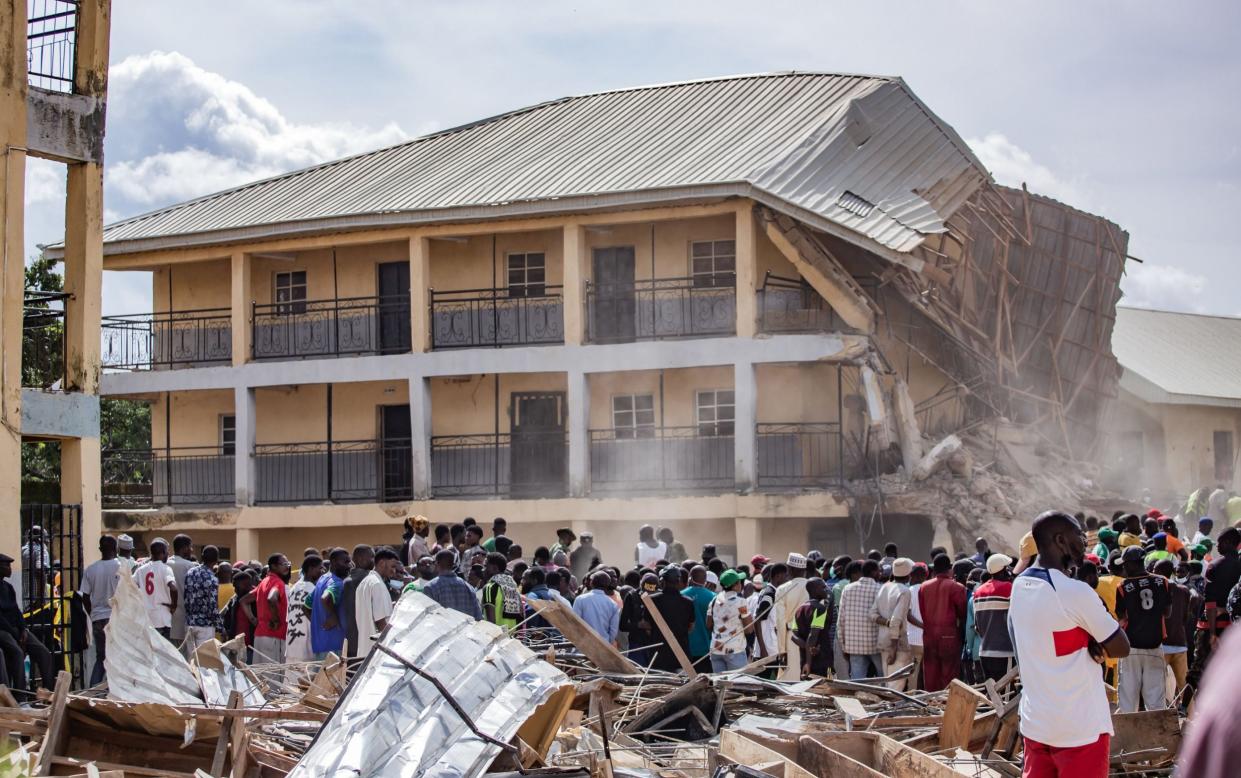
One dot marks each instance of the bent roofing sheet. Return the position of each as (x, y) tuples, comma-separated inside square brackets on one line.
[(392, 722), (802, 138), (1184, 354)]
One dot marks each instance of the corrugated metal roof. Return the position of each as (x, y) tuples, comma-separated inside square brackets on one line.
[(802, 139), (1179, 357)]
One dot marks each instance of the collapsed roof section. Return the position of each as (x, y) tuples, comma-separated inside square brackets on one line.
[(394, 721), (856, 156)]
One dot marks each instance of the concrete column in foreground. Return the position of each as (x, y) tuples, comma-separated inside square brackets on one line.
[(576, 272), (745, 396), (244, 472), (746, 236), (80, 483), (420, 436), (240, 307), (749, 536), (579, 433), (419, 293)]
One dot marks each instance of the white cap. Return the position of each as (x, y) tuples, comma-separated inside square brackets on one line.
[(797, 561), (125, 542), (902, 567), (712, 578), (997, 562)]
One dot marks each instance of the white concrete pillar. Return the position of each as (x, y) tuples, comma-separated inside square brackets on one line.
[(745, 397), (579, 433), (247, 546), (244, 475), (749, 538), (420, 435)]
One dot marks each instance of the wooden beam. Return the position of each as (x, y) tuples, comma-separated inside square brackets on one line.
[(958, 726), (603, 654), (666, 631), (56, 724), (221, 743)]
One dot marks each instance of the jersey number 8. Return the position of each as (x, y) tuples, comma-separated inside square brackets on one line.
[(1148, 599)]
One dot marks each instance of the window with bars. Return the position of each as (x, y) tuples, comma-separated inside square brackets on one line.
[(715, 411), (633, 415), (289, 290), (527, 275), (713, 262), (228, 435)]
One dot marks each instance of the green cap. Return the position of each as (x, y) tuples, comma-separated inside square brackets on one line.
[(731, 578)]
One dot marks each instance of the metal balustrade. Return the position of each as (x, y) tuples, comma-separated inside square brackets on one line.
[(167, 339), (660, 459), (799, 455), (473, 318), (344, 326), (662, 308)]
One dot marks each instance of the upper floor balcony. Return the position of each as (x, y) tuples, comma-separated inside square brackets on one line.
[(167, 339), (338, 327), (51, 43)]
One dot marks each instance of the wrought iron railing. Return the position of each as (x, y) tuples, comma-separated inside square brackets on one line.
[(167, 339), (660, 459), (659, 308), (331, 328), (43, 339), (50, 43), (470, 318), (792, 305), (339, 471), (799, 455), (184, 475), (522, 464)]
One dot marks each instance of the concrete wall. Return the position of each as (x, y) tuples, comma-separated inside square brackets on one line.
[(1178, 454)]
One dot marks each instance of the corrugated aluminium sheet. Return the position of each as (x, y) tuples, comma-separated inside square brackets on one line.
[(802, 138), (1190, 357), (392, 722)]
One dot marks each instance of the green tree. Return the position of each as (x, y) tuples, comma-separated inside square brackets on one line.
[(43, 326)]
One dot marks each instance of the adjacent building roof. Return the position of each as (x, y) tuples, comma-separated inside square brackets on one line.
[(1179, 358), (858, 156)]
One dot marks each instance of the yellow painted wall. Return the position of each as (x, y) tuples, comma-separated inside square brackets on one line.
[(195, 286), (465, 405), (796, 393), (468, 263), (671, 240), (680, 386), (195, 417)]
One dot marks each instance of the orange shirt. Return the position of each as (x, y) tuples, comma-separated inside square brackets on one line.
[(1175, 545)]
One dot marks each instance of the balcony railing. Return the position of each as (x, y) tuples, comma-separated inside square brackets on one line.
[(331, 328), (339, 471), (145, 478), (655, 309), (472, 318), (523, 464), (802, 455), (660, 459), (50, 50), (176, 339), (792, 305), (43, 339)]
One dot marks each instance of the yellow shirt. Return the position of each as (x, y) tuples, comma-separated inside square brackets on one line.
[(1128, 539), (225, 594), (1107, 588)]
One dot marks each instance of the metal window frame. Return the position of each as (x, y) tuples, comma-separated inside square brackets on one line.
[(632, 429), (715, 405), (716, 272), (526, 284)]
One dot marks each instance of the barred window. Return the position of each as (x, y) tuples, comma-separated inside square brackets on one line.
[(633, 415), (716, 411), (228, 435), (713, 262), (289, 289)]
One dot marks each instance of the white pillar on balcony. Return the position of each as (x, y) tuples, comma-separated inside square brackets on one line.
[(745, 396), (579, 433), (420, 435), (244, 476)]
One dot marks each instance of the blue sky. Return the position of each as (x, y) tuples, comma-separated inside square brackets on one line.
[(1127, 110)]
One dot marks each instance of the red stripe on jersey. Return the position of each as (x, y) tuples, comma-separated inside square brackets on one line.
[(1070, 640)]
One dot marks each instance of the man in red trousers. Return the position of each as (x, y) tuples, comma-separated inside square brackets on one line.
[(941, 601)]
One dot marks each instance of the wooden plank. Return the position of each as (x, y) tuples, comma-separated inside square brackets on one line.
[(221, 743), (55, 725), (1146, 730), (596, 649), (664, 630), (853, 709), (128, 770), (821, 760), (239, 742), (736, 746), (959, 713)]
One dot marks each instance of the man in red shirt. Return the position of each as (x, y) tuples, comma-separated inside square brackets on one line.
[(941, 602), (272, 610)]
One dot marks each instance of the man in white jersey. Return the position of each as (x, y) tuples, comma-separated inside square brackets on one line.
[(158, 587), (1061, 631)]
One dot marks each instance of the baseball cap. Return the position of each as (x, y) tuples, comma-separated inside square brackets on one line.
[(796, 561), (713, 578), (758, 560), (997, 562), (731, 578), (1133, 552)]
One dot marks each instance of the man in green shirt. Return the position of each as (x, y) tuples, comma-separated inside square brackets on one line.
[(498, 527), (565, 538), (501, 600)]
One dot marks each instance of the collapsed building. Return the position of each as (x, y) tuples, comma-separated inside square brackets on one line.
[(780, 311)]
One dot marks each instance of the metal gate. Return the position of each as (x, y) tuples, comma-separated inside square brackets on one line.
[(51, 560)]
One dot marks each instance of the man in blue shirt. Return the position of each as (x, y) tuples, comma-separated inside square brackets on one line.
[(451, 591), (700, 635), (598, 610), (327, 634)]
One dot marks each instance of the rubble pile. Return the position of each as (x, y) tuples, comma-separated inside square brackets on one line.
[(445, 695)]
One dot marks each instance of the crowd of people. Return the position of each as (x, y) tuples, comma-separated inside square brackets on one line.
[(1100, 616)]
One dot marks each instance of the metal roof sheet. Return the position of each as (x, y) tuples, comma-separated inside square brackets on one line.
[(1181, 357), (391, 722), (802, 139)]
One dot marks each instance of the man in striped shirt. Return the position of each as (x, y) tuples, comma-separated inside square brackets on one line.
[(991, 600)]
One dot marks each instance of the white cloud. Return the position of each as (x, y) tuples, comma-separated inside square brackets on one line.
[(1163, 287), (1013, 166), (45, 181), (178, 131)]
